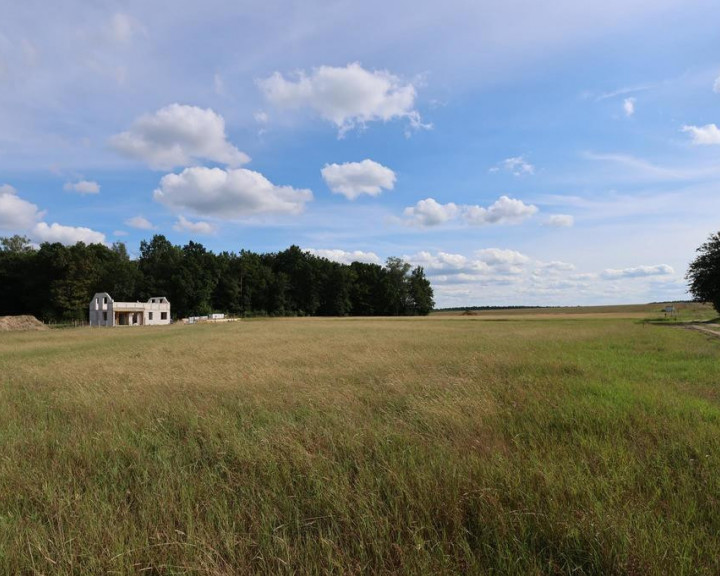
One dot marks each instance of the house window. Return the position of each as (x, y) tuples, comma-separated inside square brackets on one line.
[(149, 315), (163, 315), (104, 316), (105, 300)]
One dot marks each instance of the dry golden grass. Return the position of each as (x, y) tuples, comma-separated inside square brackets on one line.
[(440, 445)]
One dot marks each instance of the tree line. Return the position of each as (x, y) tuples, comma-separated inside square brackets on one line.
[(56, 282)]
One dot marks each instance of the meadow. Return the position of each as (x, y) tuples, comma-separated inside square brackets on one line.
[(489, 444)]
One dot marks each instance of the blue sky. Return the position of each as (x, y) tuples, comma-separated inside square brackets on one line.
[(522, 152)]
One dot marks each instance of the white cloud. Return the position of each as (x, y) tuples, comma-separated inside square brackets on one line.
[(629, 106), (560, 221), (429, 212), (348, 97), (708, 134), (489, 266), (228, 194), (638, 272), (352, 179), (199, 227), (500, 257), (66, 234), (504, 210), (16, 213), (140, 223), (261, 117), (516, 165), (345, 257), (554, 266), (496, 276), (623, 91), (123, 27), (178, 135), (716, 85), (446, 263), (82, 187)]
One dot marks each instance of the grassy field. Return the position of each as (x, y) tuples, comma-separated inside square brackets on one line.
[(532, 445), (684, 311)]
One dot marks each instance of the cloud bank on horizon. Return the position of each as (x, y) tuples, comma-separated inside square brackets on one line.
[(437, 137)]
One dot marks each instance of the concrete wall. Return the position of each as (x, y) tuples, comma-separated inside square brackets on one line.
[(103, 309), (157, 311)]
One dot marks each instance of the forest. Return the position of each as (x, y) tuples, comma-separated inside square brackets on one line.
[(55, 282)]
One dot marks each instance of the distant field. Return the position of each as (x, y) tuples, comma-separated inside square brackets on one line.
[(684, 311), (583, 445)]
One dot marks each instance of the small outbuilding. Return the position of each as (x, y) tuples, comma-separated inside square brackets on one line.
[(104, 311)]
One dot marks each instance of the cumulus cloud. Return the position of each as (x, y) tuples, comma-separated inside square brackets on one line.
[(20, 215), (489, 266), (352, 179), (178, 135), (560, 221), (555, 266), (447, 263), (82, 187), (67, 235), (347, 96), (504, 210), (629, 106), (429, 212), (516, 165), (228, 194), (501, 257), (638, 272), (140, 223), (184, 225), (16, 213), (708, 134), (345, 257)]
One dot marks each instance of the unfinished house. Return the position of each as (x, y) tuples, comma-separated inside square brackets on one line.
[(104, 311)]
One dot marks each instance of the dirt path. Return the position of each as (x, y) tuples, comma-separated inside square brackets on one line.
[(712, 329)]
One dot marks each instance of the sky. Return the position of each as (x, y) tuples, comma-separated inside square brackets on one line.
[(522, 152)]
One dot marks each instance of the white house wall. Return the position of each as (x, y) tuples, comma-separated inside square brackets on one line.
[(157, 310), (154, 312), (101, 310)]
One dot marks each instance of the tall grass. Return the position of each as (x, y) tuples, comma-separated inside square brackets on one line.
[(377, 446)]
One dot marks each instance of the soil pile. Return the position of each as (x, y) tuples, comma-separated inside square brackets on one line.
[(8, 323)]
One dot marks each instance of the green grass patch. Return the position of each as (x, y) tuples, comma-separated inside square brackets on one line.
[(438, 445)]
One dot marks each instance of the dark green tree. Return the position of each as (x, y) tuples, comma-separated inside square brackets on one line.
[(421, 292), (56, 282), (16, 244), (367, 290), (159, 266), (397, 292), (17, 278), (704, 272), (197, 275), (227, 296)]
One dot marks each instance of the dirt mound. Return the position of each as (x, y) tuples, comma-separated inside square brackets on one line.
[(8, 323)]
